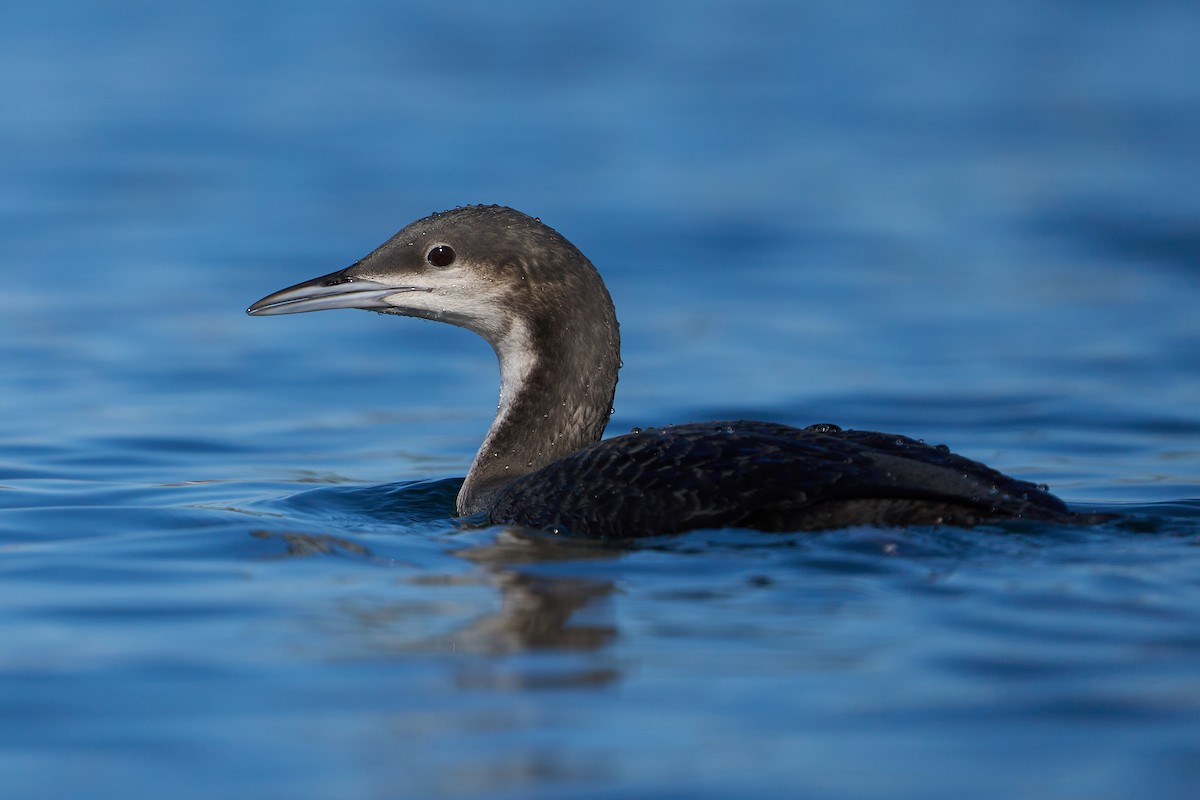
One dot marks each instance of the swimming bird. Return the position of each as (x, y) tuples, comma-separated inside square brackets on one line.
[(544, 309)]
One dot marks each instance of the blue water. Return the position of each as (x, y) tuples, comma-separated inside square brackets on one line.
[(228, 563)]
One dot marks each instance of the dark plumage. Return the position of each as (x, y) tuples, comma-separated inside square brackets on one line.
[(770, 477), (544, 309)]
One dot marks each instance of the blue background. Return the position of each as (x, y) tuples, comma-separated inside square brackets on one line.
[(968, 223)]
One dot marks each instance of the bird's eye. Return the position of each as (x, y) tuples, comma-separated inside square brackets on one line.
[(441, 256)]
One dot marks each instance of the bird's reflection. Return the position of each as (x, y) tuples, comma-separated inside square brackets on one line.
[(302, 545), (540, 609), (543, 608)]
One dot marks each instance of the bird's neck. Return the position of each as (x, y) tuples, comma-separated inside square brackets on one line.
[(558, 374)]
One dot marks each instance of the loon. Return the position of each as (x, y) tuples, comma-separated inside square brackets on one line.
[(544, 309)]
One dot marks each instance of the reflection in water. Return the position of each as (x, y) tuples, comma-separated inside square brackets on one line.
[(302, 545), (542, 608), (539, 610)]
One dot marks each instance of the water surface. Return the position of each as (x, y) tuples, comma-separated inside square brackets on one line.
[(229, 563)]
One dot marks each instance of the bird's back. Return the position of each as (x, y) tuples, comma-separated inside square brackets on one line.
[(766, 476)]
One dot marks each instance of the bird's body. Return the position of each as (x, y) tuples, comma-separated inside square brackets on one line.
[(544, 309), (770, 477)]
